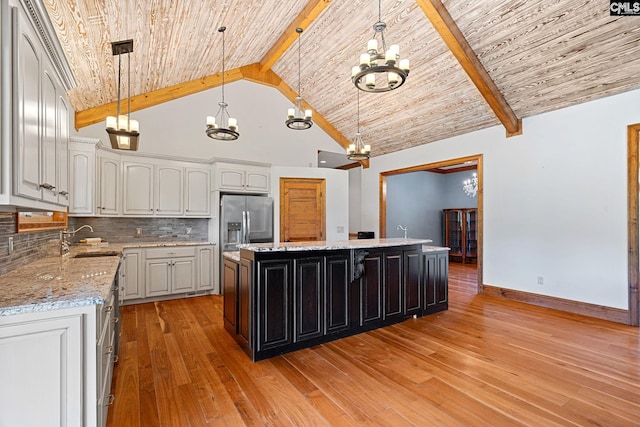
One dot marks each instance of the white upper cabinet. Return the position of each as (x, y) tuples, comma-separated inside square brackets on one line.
[(109, 184), (138, 187), (169, 190), (197, 192), (41, 119), (242, 178), (82, 175)]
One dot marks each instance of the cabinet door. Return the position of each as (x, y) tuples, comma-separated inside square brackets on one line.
[(274, 304), (82, 169), (371, 289), (137, 188), (197, 192), (158, 277), (48, 148), (184, 275), (169, 187), (63, 152), (413, 288), (230, 291), (244, 302), (131, 278), (257, 179), (229, 178), (442, 282), (205, 268), (308, 294), (28, 108), (436, 276), (470, 234), (393, 285), (41, 366), (109, 185), (337, 293)]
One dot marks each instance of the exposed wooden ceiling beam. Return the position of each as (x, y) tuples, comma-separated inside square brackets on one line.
[(310, 12), (254, 73), (458, 45), (146, 100)]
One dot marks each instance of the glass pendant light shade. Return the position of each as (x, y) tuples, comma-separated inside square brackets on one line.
[(358, 150)]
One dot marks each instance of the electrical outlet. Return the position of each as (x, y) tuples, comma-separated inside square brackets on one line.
[(138, 231), (10, 246), (340, 229), (540, 280), (188, 230)]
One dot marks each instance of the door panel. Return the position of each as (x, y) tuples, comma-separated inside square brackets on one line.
[(302, 210)]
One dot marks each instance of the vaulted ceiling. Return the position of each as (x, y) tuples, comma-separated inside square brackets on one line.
[(474, 63)]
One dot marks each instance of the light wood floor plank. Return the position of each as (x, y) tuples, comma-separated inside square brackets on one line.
[(484, 361)]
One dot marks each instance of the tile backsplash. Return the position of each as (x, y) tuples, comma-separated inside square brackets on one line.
[(28, 247), (124, 230)]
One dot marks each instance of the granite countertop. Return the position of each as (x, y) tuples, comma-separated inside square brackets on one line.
[(56, 282), (234, 255), (428, 248), (331, 245)]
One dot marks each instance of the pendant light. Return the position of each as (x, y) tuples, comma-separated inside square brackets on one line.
[(380, 69), (124, 132), (297, 118), (222, 126), (358, 150)]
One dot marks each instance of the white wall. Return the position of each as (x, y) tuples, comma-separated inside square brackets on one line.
[(178, 128), (337, 197), (554, 199), (355, 182)]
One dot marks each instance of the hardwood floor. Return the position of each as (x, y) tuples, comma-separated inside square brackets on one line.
[(485, 361)]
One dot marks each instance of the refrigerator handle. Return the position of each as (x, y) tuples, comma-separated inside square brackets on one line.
[(248, 227), (244, 227)]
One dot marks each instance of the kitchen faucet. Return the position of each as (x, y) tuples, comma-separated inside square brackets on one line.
[(64, 245), (403, 229)]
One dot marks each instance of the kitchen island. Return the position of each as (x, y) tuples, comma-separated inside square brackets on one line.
[(281, 297)]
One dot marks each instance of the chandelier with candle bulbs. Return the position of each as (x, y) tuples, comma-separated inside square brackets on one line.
[(222, 126), (380, 69), (297, 117), (358, 150), (470, 186)]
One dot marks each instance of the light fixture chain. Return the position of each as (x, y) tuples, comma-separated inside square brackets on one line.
[(299, 78), (379, 10), (223, 66), (358, 114), (119, 79)]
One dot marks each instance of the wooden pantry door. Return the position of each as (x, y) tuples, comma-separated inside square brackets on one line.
[(302, 209)]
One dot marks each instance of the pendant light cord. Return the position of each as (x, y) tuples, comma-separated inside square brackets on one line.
[(358, 115), (128, 91), (299, 90), (119, 84), (222, 29)]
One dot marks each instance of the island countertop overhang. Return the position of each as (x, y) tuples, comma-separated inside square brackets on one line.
[(332, 245)]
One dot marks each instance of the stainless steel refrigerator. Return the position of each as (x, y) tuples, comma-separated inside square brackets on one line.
[(245, 219)]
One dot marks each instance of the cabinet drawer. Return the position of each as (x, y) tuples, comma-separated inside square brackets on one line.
[(172, 252)]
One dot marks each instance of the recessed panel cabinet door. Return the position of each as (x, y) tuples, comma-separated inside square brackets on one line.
[(41, 367), (337, 293), (158, 277), (184, 275), (371, 288), (197, 192), (168, 190), (309, 298), (27, 76), (48, 147), (138, 188), (132, 283), (274, 304), (393, 285), (109, 198), (63, 152)]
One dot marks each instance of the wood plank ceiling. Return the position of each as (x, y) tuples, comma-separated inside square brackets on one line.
[(507, 61)]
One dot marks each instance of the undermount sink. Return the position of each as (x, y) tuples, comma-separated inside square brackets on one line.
[(96, 254)]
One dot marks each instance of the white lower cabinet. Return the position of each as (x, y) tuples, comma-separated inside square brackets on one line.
[(170, 270), (131, 274), (56, 366), (165, 271)]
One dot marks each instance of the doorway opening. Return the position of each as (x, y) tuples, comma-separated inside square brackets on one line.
[(475, 220)]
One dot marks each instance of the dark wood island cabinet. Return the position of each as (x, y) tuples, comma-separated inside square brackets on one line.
[(288, 296)]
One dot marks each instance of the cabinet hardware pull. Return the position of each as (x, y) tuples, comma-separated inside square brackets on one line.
[(115, 358), (108, 350), (63, 193), (109, 309), (47, 186), (115, 319)]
